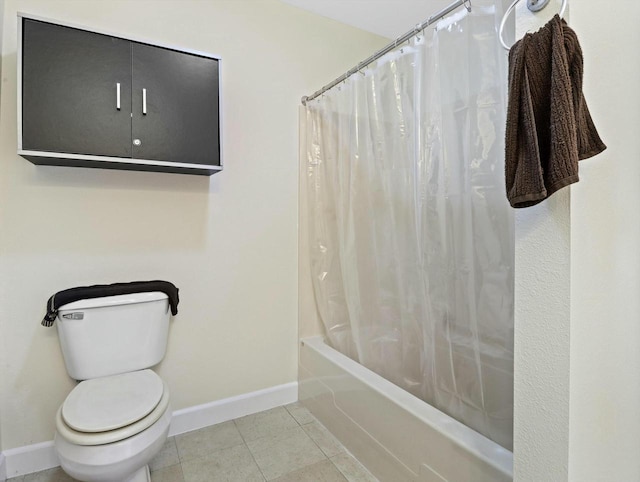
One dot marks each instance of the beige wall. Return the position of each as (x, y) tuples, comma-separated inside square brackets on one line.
[(228, 242), (605, 252)]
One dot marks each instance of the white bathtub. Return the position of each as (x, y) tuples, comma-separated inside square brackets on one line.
[(397, 436)]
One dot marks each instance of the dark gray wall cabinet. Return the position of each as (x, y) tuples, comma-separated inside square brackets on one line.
[(94, 100)]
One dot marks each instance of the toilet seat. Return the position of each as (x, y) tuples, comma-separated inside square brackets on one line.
[(80, 437), (112, 402)]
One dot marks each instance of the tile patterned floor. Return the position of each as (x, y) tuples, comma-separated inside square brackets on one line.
[(285, 444)]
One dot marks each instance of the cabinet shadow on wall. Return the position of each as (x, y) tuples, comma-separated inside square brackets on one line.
[(81, 177)]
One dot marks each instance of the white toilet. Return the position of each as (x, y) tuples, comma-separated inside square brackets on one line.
[(117, 419)]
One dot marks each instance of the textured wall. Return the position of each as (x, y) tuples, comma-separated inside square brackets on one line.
[(229, 242), (605, 253), (542, 324), (577, 396)]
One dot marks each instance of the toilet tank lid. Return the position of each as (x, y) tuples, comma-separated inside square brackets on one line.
[(127, 299)]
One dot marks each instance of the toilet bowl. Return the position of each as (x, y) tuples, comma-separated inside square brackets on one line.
[(117, 418), (108, 429)]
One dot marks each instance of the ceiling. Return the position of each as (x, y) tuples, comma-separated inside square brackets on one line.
[(389, 18)]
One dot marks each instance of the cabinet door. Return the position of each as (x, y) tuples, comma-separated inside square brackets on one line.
[(69, 91), (180, 92)]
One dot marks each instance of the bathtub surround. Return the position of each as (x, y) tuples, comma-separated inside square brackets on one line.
[(232, 253), (395, 435)]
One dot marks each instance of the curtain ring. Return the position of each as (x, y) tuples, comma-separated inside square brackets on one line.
[(467, 5), (416, 32)]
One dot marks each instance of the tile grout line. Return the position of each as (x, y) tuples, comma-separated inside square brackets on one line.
[(168, 467), (345, 451), (316, 444), (338, 468), (344, 476), (182, 472), (255, 462), (178, 451), (247, 446), (300, 426), (179, 462), (307, 434)]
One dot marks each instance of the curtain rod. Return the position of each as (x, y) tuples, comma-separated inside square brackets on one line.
[(403, 38)]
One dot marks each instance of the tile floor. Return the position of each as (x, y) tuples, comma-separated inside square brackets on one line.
[(285, 444)]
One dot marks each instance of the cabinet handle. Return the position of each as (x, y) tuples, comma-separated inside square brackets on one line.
[(118, 95), (144, 101)]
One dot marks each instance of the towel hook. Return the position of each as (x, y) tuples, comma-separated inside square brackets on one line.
[(534, 6)]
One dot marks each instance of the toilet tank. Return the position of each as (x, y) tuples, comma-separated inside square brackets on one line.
[(113, 334)]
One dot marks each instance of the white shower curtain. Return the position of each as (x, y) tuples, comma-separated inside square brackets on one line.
[(412, 238)]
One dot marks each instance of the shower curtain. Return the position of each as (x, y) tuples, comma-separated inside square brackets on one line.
[(412, 238)]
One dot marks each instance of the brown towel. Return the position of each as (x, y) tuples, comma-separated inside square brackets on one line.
[(549, 128)]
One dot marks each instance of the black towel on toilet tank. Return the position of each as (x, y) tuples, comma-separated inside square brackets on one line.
[(98, 291)]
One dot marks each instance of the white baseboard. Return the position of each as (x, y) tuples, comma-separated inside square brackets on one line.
[(30, 458), (42, 456), (193, 418)]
